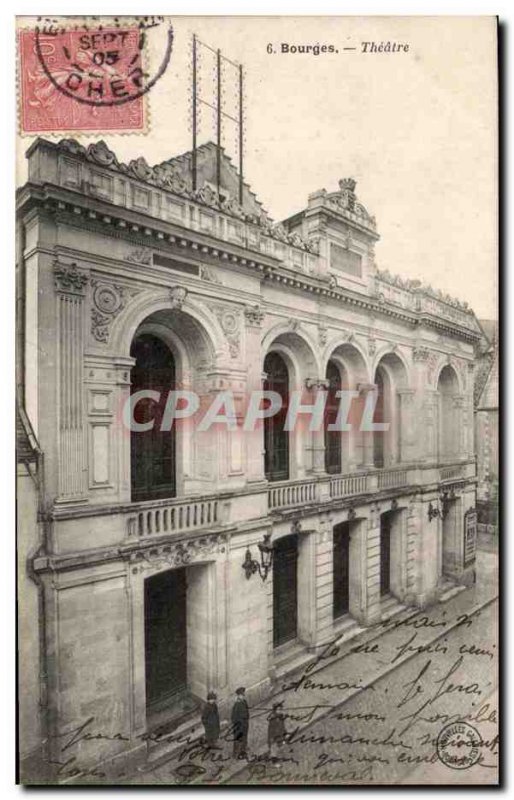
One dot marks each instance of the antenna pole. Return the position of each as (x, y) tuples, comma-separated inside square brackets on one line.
[(240, 134), (194, 113), (218, 154)]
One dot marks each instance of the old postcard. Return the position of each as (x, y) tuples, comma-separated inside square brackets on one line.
[(257, 400)]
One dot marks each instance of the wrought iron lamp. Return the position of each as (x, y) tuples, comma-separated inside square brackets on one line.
[(446, 498), (433, 511), (251, 566)]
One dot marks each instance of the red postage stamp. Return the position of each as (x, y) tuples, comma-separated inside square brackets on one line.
[(82, 80)]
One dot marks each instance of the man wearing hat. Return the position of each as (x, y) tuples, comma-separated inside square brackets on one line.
[(240, 723), (276, 731), (211, 720)]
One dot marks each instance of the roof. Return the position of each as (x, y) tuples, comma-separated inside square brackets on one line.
[(206, 161)]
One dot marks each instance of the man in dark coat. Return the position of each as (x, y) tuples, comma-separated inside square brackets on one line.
[(276, 731), (240, 723), (211, 720)]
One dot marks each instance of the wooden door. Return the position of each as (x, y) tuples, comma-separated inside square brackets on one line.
[(165, 636), (285, 590), (341, 568)]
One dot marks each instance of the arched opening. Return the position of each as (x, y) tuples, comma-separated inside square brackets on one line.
[(333, 444), (152, 452), (390, 444), (353, 370), (378, 417), (448, 388), (276, 439)]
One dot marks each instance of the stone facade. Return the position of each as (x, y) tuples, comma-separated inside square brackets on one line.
[(110, 251)]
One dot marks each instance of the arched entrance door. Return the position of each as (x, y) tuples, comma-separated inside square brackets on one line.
[(152, 452), (276, 439)]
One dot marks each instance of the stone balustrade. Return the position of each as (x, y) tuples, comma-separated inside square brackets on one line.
[(288, 494), (163, 517)]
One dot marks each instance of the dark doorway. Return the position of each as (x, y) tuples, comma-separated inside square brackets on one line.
[(385, 553), (165, 638), (285, 592), (333, 460), (341, 569), (276, 439), (152, 452)]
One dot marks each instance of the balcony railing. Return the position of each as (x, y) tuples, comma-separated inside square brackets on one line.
[(392, 478), (164, 517), (451, 471), (344, 485), (290, 494), (176, 516)]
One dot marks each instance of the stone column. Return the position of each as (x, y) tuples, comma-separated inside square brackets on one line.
[(459, 445), (366, 437), (324, 560), (307, 606), (254, 439), (317, 387), (70, 284), (407, 426), (371, 554), (429, 556)]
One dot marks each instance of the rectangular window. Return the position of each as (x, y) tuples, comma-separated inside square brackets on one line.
[(178, 266), (345, 260)]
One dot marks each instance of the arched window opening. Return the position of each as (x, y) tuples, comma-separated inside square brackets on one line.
[(449, 423), (333, 454), (152, 452), (378, 417), (276, 439)]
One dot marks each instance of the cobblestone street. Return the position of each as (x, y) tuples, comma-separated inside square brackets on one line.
[(371, 710)]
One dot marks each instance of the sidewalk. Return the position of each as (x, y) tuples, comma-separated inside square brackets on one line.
[(342, 672)]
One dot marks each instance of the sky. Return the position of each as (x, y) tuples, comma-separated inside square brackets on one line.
[(417, 130)]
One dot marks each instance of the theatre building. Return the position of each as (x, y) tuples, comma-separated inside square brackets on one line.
[(157, 565)]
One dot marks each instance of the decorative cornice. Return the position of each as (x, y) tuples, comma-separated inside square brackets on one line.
[(181, 554), (168, 177), (122, 229)]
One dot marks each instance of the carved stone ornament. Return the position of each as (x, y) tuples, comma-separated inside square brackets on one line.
[(69, 279), (317, 383), (230, 322), (177, 555), (141, 255), (421, 354), (178, 295), (208, 274), (254, 316), (322, 335), (172, 176), (372, 345), (107, 301)]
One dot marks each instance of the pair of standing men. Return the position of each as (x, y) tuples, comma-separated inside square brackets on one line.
[(240, 719)]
